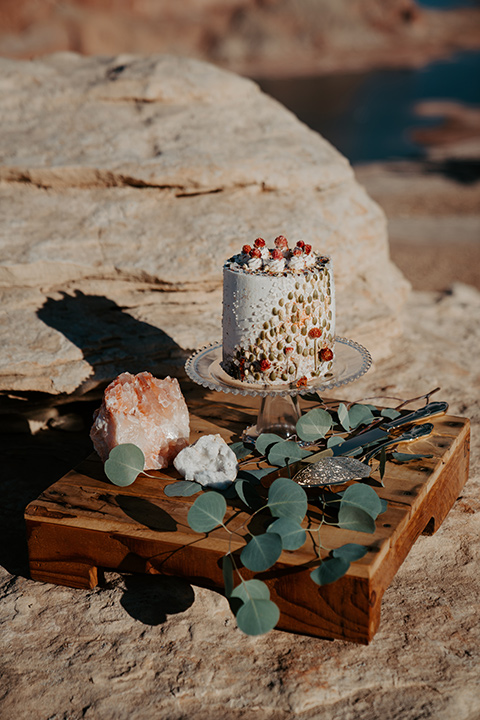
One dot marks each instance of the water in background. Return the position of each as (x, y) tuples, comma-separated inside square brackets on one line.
[(447, 4), (368, 116)]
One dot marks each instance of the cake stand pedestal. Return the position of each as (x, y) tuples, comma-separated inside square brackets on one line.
[(278, 414), (279, 410)]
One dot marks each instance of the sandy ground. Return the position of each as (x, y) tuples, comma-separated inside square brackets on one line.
[(437, 269), (433, 213)]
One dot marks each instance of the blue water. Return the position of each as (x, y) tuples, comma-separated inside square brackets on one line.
[(370, 116), (447, 4)]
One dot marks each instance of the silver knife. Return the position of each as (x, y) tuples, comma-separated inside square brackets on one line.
[(417, 432), (381, 432)]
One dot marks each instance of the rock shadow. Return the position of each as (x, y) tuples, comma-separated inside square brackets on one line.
[(151, 598), (30, 464), (111, 340)]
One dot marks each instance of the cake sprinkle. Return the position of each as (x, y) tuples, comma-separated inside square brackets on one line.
[(279, 260)]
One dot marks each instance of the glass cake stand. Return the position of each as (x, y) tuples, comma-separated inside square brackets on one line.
[(279, 409)]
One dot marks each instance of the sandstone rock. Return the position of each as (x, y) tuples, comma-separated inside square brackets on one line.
[(126, 182), (460, 123)]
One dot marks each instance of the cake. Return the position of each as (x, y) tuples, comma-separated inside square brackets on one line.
[(278, 322)]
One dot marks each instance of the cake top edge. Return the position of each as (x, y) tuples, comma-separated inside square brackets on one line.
[(279, 260)]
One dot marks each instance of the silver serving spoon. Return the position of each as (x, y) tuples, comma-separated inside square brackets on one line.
[(341, 469)]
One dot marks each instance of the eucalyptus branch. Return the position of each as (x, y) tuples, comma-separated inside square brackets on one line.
[(317, 530), (287, 502), (232, 557), (401, 401)]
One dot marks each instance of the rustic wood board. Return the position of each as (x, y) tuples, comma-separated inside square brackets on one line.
[(83, 524)]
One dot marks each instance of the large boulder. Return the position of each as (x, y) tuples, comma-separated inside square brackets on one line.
[(125, 183)]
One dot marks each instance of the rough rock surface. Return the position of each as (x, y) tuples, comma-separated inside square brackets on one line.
[(126, 182), (148, 646)]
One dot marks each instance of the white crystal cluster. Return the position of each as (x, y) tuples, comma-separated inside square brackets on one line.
[(209, 462)]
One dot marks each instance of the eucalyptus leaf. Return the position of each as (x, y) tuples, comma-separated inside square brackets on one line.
[(343, 417), (287, 499), (383, 462), (406, 457), (330, 570), (264, 441), (314, 425), (207, 512), (384, 504), (292, 534), (253, 476), (335, 440), (247, 493), (353, 518), (124, 464), (362, 497), (182, 488), (249, 589), (373, 408), (227, 571), (261, 552), (285, 451), (240, 450), (257, 617), (350, 551), (360, 415), (390, 413)]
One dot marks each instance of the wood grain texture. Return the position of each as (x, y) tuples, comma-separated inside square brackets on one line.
[(83, 524)]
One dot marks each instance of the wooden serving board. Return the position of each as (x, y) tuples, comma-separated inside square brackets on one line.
[(83, 524)]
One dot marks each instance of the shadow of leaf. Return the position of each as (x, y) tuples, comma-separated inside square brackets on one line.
[(147, 513)]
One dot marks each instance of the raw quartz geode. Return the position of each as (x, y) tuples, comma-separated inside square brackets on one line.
[(209, 462), (145, 411)]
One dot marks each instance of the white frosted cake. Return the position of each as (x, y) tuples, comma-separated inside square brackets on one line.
[(278, 314)]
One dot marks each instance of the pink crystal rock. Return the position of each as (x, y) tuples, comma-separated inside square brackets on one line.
[(145, 411)]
